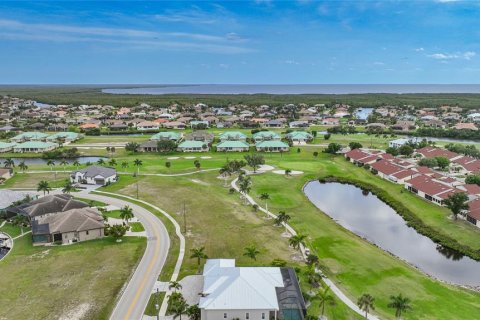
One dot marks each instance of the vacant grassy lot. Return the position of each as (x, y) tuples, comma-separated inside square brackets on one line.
[(30, 180), (12, 230), (66, 281)]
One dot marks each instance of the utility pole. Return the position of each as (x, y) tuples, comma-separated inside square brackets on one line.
[(157, 306)]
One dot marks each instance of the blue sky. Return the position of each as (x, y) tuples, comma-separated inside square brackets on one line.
[(256, 42)]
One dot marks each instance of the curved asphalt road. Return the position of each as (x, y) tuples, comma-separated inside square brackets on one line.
[(134, 299)]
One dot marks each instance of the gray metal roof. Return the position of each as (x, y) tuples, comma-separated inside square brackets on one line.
[(94, 171)]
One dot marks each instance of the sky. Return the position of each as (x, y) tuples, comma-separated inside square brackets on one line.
[(240, 42)]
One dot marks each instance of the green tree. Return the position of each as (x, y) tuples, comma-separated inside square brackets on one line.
[(132, 147), (138, 163), (366, 303), (391, 150), (124, 164), (199, 254), (442, 162), (428, 162), (456, 202), (282, 218), (23, 166), (355, 145), (473, 179), (101, 162), (405, 150), (401, 305), (175, 285), (117, 231), (126, 213), (244, 185), (324, 297), (43, 186), (252, 252), (9, 163), (327, 136), (68, 187), (64, 163), (297, 241), (178, 307), (168, 165), (333, 148), (254, 161), (265, 196), (166, 146), (76, 163), (225, 171), (51, 164), (315, 154), (193, 312), (112, 162)]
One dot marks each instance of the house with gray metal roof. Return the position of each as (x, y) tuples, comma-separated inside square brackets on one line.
[(34, 146), (272, 146), (29, 136), (193, 146), (233, 146), (94, 175)]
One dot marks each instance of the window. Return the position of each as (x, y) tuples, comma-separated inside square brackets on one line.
[(86, 232), (247, 315), (263, 315), (225, 315)]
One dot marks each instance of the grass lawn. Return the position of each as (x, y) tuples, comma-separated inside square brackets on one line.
[(66, 281), (12, 230), (356, 265), (113, 214), (30, 180), (93, 203), (136, 227)]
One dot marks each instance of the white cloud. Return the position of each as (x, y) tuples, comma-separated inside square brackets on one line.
[(467, 55), (379, 63), (447, 1), (419, 49), (291, 62), (131, 38)]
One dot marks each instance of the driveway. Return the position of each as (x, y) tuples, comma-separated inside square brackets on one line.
[(135, 296)]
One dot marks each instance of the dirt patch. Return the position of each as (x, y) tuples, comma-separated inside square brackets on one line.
[(200, 182), (77, 313)]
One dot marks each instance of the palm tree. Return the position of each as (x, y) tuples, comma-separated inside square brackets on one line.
[(112, 162), (178, 306), (126, 213), (138, 163), (175, 285), (64, 164), (400, 304), (265, 196), (43, 186), (365, 303), (68, 187), (244, 187), (251, 252), (76, 163), (23, 166), (51, 164), (194, 312), (324, 297), (100, 162), (313, 277), (225, 172), (9, 163), (199, 254), (282, 218), (124, 164), (297, 241)]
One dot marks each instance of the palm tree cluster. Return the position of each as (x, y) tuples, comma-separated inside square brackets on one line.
[(178, 307), (44, 187), (399, 303), (199, 254)]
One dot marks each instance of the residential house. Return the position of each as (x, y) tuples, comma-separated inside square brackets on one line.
[(148, 146), (174, 125), (233, 136), (275, 123), (167, 135), (255, 293), (200, 124), (10, 197), (271, 146), (35, 146), (404, 125), (6, 146), (69, 226), (233, 146), (147, 125), (432, 152), (330, 122), (6, 173), (266, 136), (49, 204), (465, 126), (65, 137), (204, 136), (299, 124), (193, 146), (94, 175), (299, 137), (429, 188), (29, 136), (473, 214)]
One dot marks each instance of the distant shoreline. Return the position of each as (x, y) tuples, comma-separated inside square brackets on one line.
[(297, 89)]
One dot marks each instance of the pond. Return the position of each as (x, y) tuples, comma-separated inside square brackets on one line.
[(39, 161), (370, 218)]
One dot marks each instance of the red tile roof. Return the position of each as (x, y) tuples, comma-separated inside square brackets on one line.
[(474, 207), (472, 188), (404, 174), (386, 167), (431, 152), (428, 186), (356, 154)]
